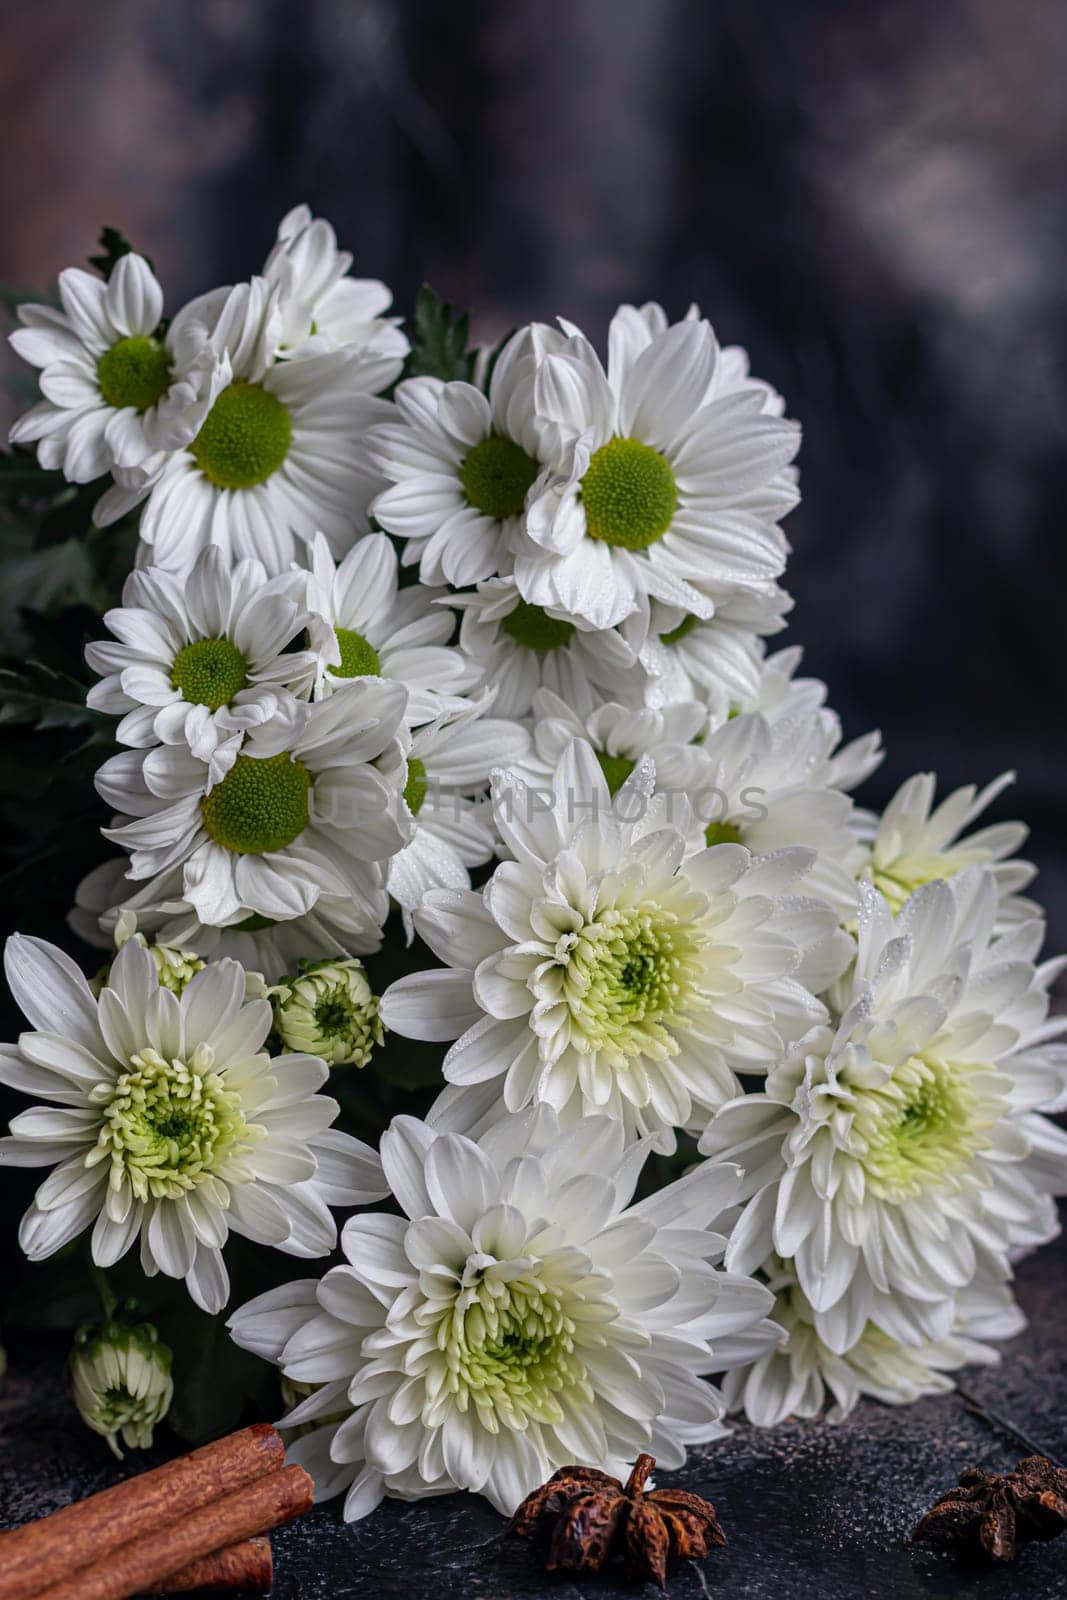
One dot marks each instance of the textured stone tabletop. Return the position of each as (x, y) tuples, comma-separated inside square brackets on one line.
[(808, 1509)]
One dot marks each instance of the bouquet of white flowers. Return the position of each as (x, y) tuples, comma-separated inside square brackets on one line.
[(473, 860)]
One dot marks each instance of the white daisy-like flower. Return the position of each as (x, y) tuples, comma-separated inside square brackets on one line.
[(620, 735), (897, 1155), (914, 843), (168, 1123), (278, 456), (460, 464), (771, 784), (337, 925), (666, 480), (114, 387), (804, 1377), (323, 309), (373, 627), (449, 763), (520, 1315), (200, 661), (301, 813), (519, 648), (601, 971), (717, 660)]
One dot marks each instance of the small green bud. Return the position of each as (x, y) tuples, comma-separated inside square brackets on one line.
[(328, 1011), (121, 1383)]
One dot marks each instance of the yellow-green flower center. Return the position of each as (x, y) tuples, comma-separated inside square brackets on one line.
[(260, 805), (627, 974), (629, 494), (511, 1351), (616, 769), (534, 629), (722, 833), (686, 626), (168, 1126), (209, 672), (416, 786), (245, 437), (135, 372), (921, 1127), (496, 476), (359, 659), (902, 877)]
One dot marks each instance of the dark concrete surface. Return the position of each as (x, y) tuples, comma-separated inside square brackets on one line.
[(809, 1510)]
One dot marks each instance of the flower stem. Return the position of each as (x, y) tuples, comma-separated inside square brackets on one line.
[(108, 1300)]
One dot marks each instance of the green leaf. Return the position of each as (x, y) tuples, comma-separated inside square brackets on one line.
[(44, 698), (439, 347), (113, 246), (215, 1382)]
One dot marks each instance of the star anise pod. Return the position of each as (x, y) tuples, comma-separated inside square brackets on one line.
[(586, 1518), (991, 1515)]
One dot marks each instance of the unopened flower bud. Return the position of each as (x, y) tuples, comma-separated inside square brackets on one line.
[(328, 1011), (121, 1382)]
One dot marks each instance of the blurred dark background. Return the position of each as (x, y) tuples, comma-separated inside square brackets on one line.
[(870, 197)]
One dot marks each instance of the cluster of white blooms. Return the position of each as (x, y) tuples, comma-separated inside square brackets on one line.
[(385, 631)]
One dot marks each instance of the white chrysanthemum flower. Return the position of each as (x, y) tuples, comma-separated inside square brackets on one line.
[(323, 309), (278, 456), (328, 1010), (898, 1155), (302, 813), (201, 660), (267, 948), (373, 627), (519, 1316), (460, 465), (620, 736), (169, 1122), (449, 763), (114, 389), (519, 648), (717, 660), (120, 1382), (913, 844), (599, 971), (803, 1374), (667, 478)]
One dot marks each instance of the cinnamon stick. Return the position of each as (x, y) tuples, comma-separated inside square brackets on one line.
[(245, 1568), (259, 1506), (43, 1552)]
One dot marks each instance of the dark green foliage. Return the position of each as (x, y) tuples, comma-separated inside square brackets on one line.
[(113, 246), (439, 340)]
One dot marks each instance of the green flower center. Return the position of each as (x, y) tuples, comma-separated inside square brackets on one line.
[(534, 629), (260, 805), (686, 626), (245, 437), (628, 974), (920, 1128), (134, 372), (359, 659), (416, 786), (616, 769), (629, 494), (168, 1126), (496, 476), (901, 878), (722, 833), (511, 1350), (209, 672)]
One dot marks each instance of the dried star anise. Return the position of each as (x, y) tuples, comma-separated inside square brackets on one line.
[(586, 1517), (991, 1515)]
